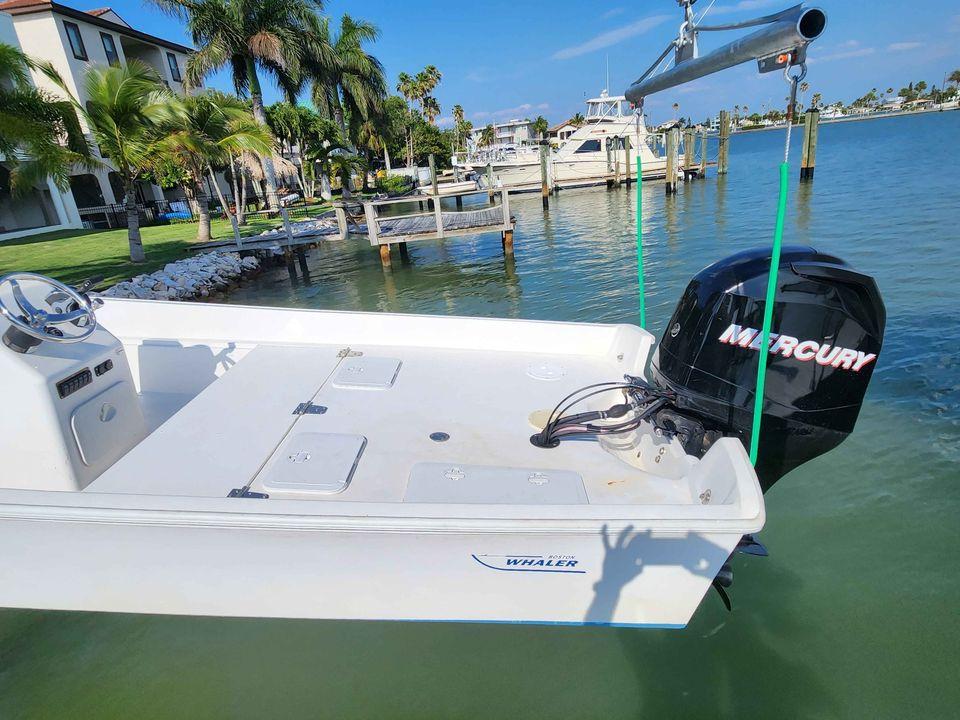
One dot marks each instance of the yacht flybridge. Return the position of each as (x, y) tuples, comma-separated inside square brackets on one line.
[(208, 459), (610, 134)]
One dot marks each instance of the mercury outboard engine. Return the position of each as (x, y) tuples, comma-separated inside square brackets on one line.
[(827, 330)]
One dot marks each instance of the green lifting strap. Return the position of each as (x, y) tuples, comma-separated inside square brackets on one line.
[(643, 306), (768, 313)]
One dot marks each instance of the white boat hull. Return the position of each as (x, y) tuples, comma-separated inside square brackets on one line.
[(161, 530)]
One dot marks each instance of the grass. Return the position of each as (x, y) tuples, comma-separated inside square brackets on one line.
[(72, 256)]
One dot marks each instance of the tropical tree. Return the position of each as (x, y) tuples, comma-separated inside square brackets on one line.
[(578, 120), (40, 135), (126, 109), (488, 136), (347, 80), (431, 109), (540, 127), (408, 87), (954, 77), (204, 132), (815, 100), (249, 37), (343, 165)]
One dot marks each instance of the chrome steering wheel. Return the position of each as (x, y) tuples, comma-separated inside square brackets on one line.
[(68, 309)]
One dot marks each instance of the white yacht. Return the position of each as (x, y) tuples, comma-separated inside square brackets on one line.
[(589, 156), (193, 458)]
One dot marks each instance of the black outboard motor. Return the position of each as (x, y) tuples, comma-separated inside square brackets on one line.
[(827, 329)]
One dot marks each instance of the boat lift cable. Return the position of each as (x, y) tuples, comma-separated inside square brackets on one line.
[(782, 44)]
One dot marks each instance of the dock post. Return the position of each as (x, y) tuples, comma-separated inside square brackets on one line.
[(490, 182), (808, 158), (609, 165), (703, 153), (544, 178), (616, 162), (404, 255), (689, 146), (459, 202), (722, 156), (433, 175), (286, 225), (626, 159), (508, 242), (385, 255), (341, 215), (673, 135), (301, 254)]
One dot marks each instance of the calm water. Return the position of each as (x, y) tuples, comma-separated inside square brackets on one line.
[(854, 615)]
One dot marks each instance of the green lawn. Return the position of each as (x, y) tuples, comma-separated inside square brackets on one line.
[(75, 255)]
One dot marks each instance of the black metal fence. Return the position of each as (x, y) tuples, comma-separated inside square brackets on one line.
[(165, 212)]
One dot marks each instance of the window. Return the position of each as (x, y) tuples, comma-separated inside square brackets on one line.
[(174, 68), (110, 48), (76, 42), (589, 146)]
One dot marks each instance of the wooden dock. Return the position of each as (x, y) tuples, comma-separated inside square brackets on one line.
[(383, 228)]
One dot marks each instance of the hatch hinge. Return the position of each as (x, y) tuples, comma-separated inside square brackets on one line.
[(308, 408), (246, 492), (347, 352)]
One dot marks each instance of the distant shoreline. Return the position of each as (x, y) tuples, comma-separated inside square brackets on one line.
[(855, 118)]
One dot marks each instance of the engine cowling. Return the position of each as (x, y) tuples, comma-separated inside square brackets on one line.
[(827, 331)]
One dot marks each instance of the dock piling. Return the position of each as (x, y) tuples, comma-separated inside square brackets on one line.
[(673, 136), (723, 155), (703, 153), (544, 177), (385, 255), (808, 158), (433, 174), (689, 145), (490, 182), (626, 159), (507, 242)]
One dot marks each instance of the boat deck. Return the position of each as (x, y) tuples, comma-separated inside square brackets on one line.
[(380, 408)]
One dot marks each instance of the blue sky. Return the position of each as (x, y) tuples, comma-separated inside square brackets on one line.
[(503, 59)]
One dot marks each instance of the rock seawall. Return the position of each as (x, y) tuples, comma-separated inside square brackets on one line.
[(199, 276)]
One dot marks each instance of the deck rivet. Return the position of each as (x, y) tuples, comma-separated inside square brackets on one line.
[(439, 436)]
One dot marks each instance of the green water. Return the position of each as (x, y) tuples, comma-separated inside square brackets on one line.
[(854, 614)]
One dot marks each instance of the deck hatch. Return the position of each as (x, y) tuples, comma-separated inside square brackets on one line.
[(312, 462), (366, 373)]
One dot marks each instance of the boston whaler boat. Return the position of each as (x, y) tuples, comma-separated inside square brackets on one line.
[(586, 158), (204, 459)]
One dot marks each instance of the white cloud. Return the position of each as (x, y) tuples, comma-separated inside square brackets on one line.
[(843, 51), (445, 121), (742, 6), (611, 37), (900, 46), (613, 12), (509, 113)]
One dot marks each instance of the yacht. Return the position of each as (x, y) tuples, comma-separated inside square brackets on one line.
[(590, 156)]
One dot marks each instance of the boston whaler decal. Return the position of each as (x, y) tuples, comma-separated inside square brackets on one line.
[(530, 563), (803, 350)]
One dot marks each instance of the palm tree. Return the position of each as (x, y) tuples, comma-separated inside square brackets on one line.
[(954, 77), (249, 37), (346, 78), (32, 124), (319, 148), (205, 131), (488, 136), (577, 120), (408, 87), (540, 127), (126, 109), (431, 108), (815, 100), (343, 165)]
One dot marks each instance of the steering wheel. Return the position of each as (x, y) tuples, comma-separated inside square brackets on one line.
[(68, 308)]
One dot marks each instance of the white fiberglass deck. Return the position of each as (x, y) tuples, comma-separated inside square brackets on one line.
[(482, 399)]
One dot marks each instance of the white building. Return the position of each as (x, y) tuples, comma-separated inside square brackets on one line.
[(514, 132), (71, 40), (561, 132)]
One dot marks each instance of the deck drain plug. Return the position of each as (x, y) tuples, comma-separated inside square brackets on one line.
[(439, 437)]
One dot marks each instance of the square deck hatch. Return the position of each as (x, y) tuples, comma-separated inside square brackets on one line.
[(312, 462), (366, 373)]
